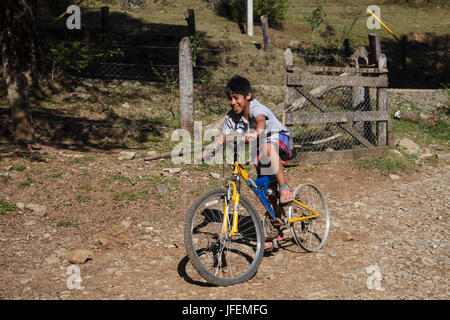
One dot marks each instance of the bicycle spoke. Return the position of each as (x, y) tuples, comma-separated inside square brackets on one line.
[(310, 233), (221, 256)]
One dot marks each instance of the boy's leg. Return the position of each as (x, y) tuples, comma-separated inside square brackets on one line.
[(272, 154)]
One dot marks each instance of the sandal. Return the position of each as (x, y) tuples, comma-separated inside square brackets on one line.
[(286, 196)]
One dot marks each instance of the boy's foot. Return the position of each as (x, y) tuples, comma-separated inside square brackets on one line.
[(269, 242), (286, 196)]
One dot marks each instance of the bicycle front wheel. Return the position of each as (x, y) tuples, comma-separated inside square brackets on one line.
[(310, 233), (219, 258)]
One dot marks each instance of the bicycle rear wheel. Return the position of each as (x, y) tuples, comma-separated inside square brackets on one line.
[(220, 259), (310, 233)]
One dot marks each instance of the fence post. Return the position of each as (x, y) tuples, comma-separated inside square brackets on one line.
[(384, 129), (265, 32), (374, 48), (374, 59), (190, 19), (361, 97), (346, 47), (250, 18), (403, 46), (186, 86), (288, 94), (105, 22)]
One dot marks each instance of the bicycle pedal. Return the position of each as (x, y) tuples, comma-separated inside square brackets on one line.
[(275, 243)]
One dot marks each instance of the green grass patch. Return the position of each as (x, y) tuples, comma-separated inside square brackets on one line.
[(66, 224), (5, 177), (26, 183), (387, 164), (81, 198), (6, 207), (131, 196), (83, 159), (19, 167), (53, 175), (423, 134)]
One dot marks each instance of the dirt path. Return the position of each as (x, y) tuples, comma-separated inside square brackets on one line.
[(130, 217)]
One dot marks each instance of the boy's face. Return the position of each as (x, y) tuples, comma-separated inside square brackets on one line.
[(238, 102)]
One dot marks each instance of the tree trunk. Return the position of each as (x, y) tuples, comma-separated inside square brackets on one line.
[(19, 51)]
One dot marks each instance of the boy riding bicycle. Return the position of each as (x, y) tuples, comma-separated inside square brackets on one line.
[(273, 138)]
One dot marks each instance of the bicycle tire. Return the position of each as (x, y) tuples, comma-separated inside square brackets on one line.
[(234, 260), (310, 234)]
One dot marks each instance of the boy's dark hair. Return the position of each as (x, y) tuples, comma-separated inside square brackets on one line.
[(238, 85)]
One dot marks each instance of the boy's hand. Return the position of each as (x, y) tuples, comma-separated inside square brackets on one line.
[(201, 157), (206, 155)]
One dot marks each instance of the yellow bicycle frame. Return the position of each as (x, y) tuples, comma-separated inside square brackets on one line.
[(315, 215), (239, 170)]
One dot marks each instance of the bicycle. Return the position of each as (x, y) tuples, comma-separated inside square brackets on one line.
[(224, 236)]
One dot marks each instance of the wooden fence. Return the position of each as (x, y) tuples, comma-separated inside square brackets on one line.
[(337, 113)]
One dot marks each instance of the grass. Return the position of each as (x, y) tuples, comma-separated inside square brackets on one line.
[(19, 167), (81, 198), (5, 177), (386, 165), (423, 134), (53, 175), (66, 224), (79, 160), (400, 19), (6, 207), (131, 196), (26, 183)]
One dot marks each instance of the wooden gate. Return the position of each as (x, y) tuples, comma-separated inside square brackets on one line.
[(337, 113)]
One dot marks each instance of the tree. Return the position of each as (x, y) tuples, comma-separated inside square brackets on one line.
[(19, 52)]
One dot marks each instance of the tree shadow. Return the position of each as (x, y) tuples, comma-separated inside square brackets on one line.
[(149, 53), (58, 129), (417, 61), (421, 62)]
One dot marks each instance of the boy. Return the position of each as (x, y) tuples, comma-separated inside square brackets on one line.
[(246, 113)]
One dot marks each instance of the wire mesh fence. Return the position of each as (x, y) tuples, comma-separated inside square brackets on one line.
[(329, 129)]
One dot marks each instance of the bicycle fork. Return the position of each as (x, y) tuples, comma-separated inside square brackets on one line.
[(235, 198)]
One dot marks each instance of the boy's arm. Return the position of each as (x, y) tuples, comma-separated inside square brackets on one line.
[(219, 141), (212, 150)]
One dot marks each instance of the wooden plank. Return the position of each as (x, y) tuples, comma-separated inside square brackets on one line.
[(336, 117), (326, 157), (337, 69), (298, 80), (318, 104)]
